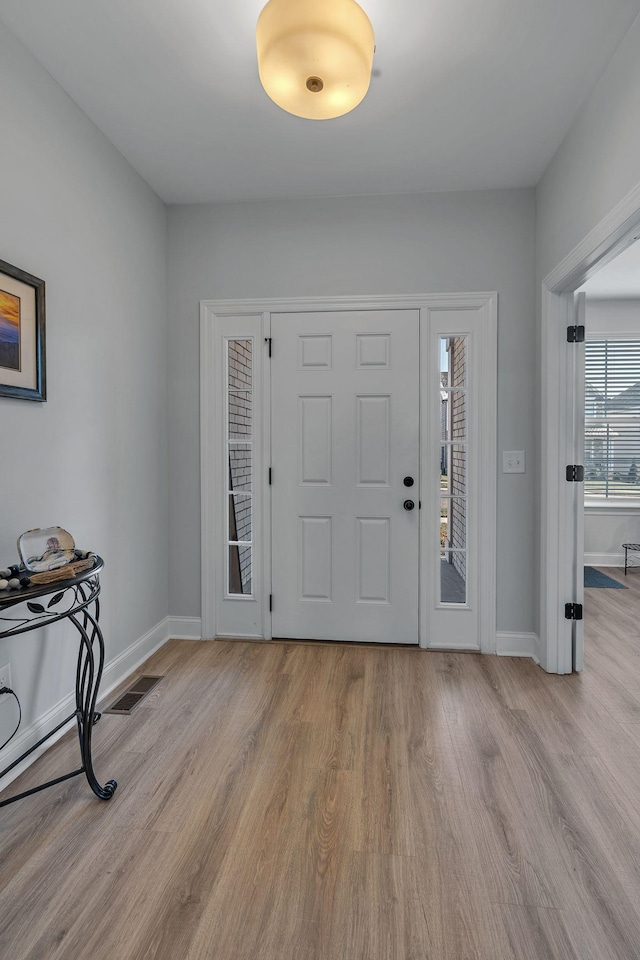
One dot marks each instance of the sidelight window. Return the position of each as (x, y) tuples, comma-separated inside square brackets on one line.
[(453, 469), (239, 447)]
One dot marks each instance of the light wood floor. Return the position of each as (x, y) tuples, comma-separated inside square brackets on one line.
[(316, 802)]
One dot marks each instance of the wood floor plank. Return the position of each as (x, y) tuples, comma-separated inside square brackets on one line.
[(383, 773)]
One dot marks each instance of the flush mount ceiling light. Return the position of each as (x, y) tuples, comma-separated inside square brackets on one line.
[(315, 56)]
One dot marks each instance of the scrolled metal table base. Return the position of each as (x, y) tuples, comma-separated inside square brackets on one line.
[(73, 600)]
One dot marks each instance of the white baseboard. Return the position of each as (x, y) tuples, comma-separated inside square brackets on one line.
[(453, 647), (518, 645), (604, 559), (114, 673), (185, 628)]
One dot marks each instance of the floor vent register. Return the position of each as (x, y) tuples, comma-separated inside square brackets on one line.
[(133, 697)]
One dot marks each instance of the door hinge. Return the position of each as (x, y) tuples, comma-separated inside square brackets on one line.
[(267, 340), (575, 334), (573, 611), (575, 473), (270, 603), (270, 476)]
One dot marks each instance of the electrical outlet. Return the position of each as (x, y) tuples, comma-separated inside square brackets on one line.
[(5, 676)]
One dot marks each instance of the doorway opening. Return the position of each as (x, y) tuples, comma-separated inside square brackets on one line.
[(566, 469)]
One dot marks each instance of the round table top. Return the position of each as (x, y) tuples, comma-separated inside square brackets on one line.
[(8, 598)]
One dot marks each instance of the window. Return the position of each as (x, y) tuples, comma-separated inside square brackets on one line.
[(453, 469), (239, 442), (612, 419)]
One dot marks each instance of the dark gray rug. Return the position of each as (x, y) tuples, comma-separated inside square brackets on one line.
[(593, 578)]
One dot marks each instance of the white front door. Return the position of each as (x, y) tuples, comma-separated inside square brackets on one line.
[(345, 460)]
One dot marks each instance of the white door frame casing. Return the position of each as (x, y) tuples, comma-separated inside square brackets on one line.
[(213, 314), (557, 548), (482, 472), (245, 616)]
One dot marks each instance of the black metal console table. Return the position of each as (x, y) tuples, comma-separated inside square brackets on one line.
[(41, 605), (629, 561)]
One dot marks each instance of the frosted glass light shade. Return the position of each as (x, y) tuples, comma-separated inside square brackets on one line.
[(315, 56)]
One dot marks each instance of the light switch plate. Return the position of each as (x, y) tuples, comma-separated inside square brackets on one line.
[(513, 461)]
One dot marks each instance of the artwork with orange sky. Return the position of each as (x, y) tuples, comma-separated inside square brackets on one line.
[(9, 331)]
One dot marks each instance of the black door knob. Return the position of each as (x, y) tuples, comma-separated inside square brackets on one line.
[(408, 504), (408, 481)]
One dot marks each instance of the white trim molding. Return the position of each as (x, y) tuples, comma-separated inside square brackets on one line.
[(604, 559), (115, 672), (599, 246), (518, 645), (608, 508)]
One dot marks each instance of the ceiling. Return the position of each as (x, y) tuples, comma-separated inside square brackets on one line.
[(466, 95), (619, 279)]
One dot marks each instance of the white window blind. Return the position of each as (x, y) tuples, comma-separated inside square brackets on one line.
[(612, 419)]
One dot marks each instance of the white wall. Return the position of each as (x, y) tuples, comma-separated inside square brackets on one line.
[(607, 527), (605, 530), (597, 163), (429, 243), (93, 459)]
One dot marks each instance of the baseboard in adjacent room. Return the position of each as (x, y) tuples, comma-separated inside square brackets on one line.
[(604, 559), (114, 673), (518, 645)]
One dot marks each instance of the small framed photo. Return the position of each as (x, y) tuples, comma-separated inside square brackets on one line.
[(22, 335)]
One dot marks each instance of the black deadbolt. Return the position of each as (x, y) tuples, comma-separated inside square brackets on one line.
[(408, 481), (408, 504)]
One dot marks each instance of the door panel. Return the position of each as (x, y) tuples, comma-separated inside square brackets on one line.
[(372, 439), (315, 558), (315, 445), (345, 434), (373, 560)]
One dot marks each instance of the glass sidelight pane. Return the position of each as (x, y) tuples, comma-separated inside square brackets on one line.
[(453, 416), (453, 523), (458, 469), (453, 469), (453, 362), (239, 362), (453, 576), (240, 563), (240, 416), (239, 430), (240, 468), (458, 421), (240, 518), (453, 398)]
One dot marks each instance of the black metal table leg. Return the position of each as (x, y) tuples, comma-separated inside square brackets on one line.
[(88, 676)]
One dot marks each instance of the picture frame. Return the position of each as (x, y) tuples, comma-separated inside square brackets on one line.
[(22, 335)]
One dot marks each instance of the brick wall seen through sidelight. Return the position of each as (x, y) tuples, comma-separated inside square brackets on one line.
[(458, 479), (240, 463)]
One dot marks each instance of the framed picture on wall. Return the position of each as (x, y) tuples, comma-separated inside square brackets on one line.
[(22, 335)]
